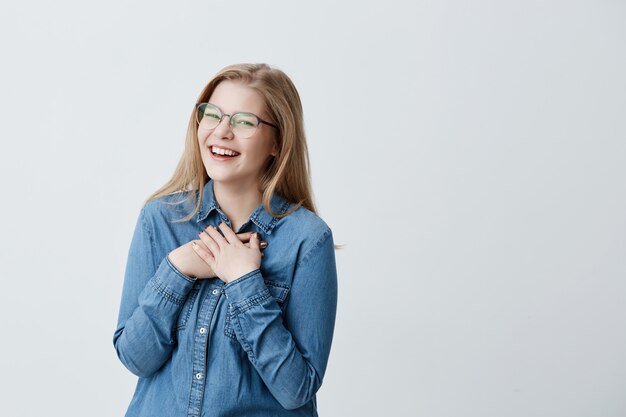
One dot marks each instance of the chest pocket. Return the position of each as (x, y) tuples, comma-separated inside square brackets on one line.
[(185, 313), (278, 290)]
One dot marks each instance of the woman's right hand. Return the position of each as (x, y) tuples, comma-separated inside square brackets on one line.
[(187, 261)]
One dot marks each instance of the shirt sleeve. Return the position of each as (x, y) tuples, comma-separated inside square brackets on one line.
[(152, 298), (290, 354)]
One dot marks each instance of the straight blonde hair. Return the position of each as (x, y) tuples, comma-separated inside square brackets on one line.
[(287, 174)]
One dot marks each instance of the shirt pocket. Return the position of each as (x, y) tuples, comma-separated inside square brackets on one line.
[(185, 313), (278, 290)]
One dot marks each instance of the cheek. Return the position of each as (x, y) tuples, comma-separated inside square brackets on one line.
[(201, 136)]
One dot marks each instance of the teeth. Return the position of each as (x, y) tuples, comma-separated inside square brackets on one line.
[(221, 151)]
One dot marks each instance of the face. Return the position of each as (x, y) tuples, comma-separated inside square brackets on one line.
[(245, 168)]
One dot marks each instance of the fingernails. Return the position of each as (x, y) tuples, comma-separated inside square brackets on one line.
[(263, 244)]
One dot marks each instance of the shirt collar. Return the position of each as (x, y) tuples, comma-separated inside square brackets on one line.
[(259, 216)]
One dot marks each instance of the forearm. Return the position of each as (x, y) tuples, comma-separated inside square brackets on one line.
[(291, 368), (144, 341)]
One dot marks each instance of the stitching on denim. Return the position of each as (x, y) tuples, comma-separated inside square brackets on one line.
[(243, 341), (186, 312), (281, 210), (256, 220), (267, 228), (284, 290), (250, 302), (168, 295), (228, 329), (204, 207), (322, 239)]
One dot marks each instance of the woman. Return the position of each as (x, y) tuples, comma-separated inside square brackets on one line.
[(230, 310)]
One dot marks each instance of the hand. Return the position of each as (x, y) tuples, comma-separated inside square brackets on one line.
[(187, 261), (227, 255)]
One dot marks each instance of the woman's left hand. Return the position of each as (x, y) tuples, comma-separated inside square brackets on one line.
[(227, 256)]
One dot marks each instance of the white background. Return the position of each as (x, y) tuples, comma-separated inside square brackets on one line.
[(470, 155)]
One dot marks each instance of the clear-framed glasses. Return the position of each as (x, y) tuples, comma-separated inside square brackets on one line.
[(242, 124)]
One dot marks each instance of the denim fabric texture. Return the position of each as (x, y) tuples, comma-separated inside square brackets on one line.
[(257, 346)]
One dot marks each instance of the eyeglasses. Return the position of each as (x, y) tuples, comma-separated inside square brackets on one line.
[(243, 124)]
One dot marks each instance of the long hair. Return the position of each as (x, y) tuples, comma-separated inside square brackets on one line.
[(287, 174)]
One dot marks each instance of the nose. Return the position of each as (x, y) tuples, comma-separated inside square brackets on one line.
[(223, 129)]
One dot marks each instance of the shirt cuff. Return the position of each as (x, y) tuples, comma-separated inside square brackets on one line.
[(243, 288), (171, 283)]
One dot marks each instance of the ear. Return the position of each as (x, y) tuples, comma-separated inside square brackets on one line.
[(274, 149)]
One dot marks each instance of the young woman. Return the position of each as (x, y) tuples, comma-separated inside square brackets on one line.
[(230, 310)]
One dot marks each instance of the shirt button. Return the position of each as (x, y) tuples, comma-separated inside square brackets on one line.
[(215, 291), (202, 330), (198, 375)]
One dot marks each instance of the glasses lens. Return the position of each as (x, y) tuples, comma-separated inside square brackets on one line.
[(208, 116), (244, 124)]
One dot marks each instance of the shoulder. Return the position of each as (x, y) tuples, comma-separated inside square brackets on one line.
[(166, 209), (307, 222), (305, 230)]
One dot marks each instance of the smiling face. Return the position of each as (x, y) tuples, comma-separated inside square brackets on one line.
[(244, 169)]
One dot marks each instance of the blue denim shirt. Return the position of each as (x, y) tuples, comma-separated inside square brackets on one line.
[(257, 346)]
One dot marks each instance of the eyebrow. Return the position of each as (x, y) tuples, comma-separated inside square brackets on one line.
[(239, 111)]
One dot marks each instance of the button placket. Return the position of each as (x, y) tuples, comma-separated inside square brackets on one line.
[(200, 346)]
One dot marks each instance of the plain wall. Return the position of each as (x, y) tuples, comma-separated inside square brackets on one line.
[(470, 155)]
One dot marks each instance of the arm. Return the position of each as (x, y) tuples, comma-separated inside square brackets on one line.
[(152, 298), (290, 355)]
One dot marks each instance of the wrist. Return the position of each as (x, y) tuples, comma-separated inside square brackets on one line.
[(246, 286), (175, 261), (242, 273)]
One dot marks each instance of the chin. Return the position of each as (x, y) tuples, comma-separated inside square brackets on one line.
[(220, 175), (216, 175)]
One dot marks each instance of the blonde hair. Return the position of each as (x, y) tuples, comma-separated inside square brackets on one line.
[(287, 174)]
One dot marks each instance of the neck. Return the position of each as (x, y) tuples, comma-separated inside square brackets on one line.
[(237, 201)]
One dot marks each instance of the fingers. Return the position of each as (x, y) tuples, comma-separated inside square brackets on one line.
[(201, 243), (229, 235), (254, 240), (248, 245), (209, 240), (245, 238), (203, 253), (216, 236)]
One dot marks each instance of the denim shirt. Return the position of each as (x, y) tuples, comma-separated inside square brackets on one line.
[(257, 346)]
